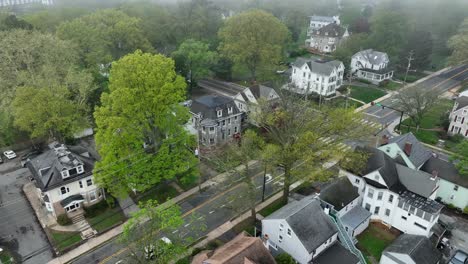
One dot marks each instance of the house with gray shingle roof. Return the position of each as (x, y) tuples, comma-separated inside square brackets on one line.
[(326, 39), (64, 178), (411, 249), (303, 230), (459, 116), (371, 65), (313, 76), (317, 22)]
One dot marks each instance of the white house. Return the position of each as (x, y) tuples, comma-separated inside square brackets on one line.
[(326, 39), (24, 2), (344, 201), (371, 65), (459, 116), (64, 178), (317, 22), (411, 249), (303, 230), (396, 195), (311, 76)]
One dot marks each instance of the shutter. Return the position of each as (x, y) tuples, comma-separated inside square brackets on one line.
[(463, 120)]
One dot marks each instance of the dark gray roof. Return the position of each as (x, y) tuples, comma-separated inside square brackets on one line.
[(209, 104), (46, 168), (420, 202), (419, 248), (308, 221), (419, 153), (336, 254), (71, 198), (419, 182), (261, 91), (330, 30), (322, 18), (356, 216), (227, 88), (372, 56), (462, 101), (445, 170), (339, 193), (322, 67)]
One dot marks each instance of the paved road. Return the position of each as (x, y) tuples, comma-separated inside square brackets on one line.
[(439, 84), (216, 205), (19, 230)]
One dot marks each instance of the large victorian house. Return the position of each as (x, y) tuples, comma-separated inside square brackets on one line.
[(326, 39), (371, 65), (459, 116)]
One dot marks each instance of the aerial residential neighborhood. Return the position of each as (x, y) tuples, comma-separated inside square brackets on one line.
[(234, 132)]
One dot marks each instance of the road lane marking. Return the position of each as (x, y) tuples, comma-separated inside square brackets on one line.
[(175, 231), (187, 225), (212, 212), (223, 205)]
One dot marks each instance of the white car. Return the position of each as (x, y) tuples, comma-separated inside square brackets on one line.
[(10, 154)]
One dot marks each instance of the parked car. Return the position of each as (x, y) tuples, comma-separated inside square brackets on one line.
[(10, 154), (460, 257)]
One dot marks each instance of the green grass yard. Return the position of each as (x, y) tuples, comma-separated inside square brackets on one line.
[(366, 94), (106, 219), (160, 193), (374, 240), (341, 102), (64, 240), (392, 86), (273, 207)]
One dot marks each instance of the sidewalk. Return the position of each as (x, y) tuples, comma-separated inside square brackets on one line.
[(99, 240)]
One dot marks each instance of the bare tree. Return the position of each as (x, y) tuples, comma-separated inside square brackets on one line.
[(415, 102)]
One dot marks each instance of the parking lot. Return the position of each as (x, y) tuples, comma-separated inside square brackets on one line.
[(20, 232)]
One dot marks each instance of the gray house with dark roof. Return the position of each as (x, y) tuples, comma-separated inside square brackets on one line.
[(305, 231), (396, 195), (411, 249), (312, 76), (64, 178), (371, 65), (216, 119), (459, 116), (326, 39)]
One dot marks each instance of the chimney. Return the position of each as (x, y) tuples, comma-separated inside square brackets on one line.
[(384, 140), (435, 174), (408, 147)]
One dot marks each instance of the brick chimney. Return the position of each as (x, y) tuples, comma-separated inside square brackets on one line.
[(407, 149)]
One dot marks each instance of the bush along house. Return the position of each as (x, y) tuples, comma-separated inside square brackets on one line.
[(64, 179)]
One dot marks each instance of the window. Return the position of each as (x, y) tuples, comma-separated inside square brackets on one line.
[(379, 196), (303, 74), (289, 232), (80, 169), (390, 198), (376, 177), (281, 227), (403, 217), (220, 113), (89, 182), (211, 129), (92, 196), (427, 216), (376, 210), (81, 184), (211, 140), (229, 110), (280, 238), (357, 181), (64, 190), (346, 228), (400, 204), (203, 129), (229, 120), (420, 226), (412, 210), (224, 122), (294, 70), (235, 118), (387, 212), (455, 188), (370, 193), (235, 129), (229, 132), (368, 207), (65, 174)]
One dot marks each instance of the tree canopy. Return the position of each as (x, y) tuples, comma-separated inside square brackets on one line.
[(140, 125), (459, 45), (255, 39), (461, 157)]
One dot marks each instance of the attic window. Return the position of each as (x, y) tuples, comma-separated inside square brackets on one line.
[(80, 169), (65, 174), (219, 112), (230, 110)]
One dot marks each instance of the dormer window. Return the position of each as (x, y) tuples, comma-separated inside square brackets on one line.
[(219, 113), (230, 110), (80, 169), (65, 174)]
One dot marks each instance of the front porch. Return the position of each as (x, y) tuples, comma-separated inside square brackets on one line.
[(374, 77)]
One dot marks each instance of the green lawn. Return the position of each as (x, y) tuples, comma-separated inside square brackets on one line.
[(366, 94), (272, 208), (392, 86), (160, 193), (341, 102), (106, 219), (374, 240), (64, 240)]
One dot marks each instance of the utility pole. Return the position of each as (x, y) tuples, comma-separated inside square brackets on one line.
[(348, 90), (409, 58), (198, 153)]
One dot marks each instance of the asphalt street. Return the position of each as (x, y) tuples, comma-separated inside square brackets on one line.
[(20, 232), (439, 84), (215, 206)]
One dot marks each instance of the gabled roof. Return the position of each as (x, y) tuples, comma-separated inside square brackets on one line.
[(372, 56), (418, 248), (322, 18), (417, 181), (339, 193), (445, 170), (46, 168), (242, 249), (419, 153), (308, 221), (209, 104), (462, 102), (336, 254), (355, 217), (330, 30), (261, 91), (322, 67)]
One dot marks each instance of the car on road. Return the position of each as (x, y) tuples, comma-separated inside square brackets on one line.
[(460, 257), (10, 154)]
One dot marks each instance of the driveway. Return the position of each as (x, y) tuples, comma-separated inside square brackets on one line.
[(19, 230), (459, 238)]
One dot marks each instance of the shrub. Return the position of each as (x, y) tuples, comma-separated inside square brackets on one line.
[(195, 251), (465, 210), (298, 52), (284, 258), (365, 81), (451, 206), (384, 83), (64, 220), (94, 210), (110, 201)]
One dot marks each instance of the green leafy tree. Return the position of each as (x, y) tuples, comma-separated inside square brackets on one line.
[(302, 138), (420, 43), (10, 22), (140, 125), (350, 11), (415, 102), (284, 258), (459, 45), (104, 36), (48, 20), (461, 157), (47, 112), (194, 59), (353, 44), (151, 226), (255, 39)]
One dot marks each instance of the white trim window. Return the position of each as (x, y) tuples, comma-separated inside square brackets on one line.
[(81, 184), (219, 113), (92, 196), (89, 182), (64, 190), (80, 169), (65, 174)]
